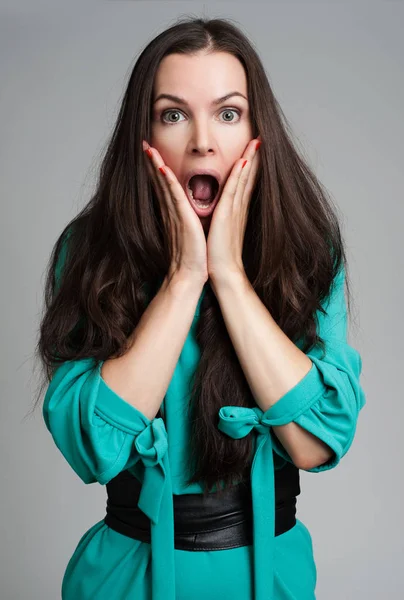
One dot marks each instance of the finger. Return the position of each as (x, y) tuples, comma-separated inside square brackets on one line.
[(163, 193), (253, 167), (159, 190), (175, 199), (154, 179), (167, 203), (173, 190), (238, 177), (155, 162), (230, 187), (247, 174)]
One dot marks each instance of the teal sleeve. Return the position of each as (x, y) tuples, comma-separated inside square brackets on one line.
[(93, 427), (327, 401), (100, 434)]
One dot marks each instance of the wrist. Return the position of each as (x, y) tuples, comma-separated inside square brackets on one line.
[(228, 280), (185, 281)]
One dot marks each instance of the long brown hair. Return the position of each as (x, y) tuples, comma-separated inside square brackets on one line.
[(116, 251)]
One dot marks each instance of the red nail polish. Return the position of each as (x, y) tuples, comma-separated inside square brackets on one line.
[(162, 169), (244, 164), (149, 153), (258, 145)]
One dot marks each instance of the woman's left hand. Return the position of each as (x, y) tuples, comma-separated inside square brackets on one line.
[(227, 227)]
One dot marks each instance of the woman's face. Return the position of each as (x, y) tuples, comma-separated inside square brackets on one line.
[(199, 133)]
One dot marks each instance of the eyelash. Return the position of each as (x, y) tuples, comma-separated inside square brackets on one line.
[(178, 111)]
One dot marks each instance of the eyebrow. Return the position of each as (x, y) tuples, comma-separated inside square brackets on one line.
[(179, 100)]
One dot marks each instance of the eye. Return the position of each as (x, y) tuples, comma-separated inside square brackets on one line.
[(173, 111), (169, 112), (230, 110)]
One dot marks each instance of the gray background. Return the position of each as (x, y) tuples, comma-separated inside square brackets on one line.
[(337, 70)]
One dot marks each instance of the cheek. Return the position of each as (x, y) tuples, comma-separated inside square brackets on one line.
[(233, 158), (167, 153), (238, 149)]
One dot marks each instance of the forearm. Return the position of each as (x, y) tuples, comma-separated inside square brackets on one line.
[(142, 375), (271, 362)]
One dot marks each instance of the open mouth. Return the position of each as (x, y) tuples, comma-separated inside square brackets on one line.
[(202, 191)]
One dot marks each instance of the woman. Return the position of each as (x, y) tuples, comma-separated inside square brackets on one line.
[(196, 342)]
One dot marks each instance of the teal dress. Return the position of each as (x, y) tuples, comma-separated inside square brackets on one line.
[(100, 434)]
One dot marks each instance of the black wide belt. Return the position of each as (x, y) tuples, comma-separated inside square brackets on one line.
[(214, 522)]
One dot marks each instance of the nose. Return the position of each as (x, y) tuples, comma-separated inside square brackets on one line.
[(202, 145), (202, 149), (201, 141)]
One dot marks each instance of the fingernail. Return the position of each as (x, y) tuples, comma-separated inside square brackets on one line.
[(258, 144), (244, 164)]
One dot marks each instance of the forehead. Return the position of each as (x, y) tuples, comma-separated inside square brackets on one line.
[(200, 77)]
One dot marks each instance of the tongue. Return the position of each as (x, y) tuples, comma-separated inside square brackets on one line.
[(202, 187)]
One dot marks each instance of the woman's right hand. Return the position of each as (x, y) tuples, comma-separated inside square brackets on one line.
[(188, 244)]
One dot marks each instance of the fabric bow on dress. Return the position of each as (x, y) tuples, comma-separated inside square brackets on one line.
[(156, 501), (237, 422)]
